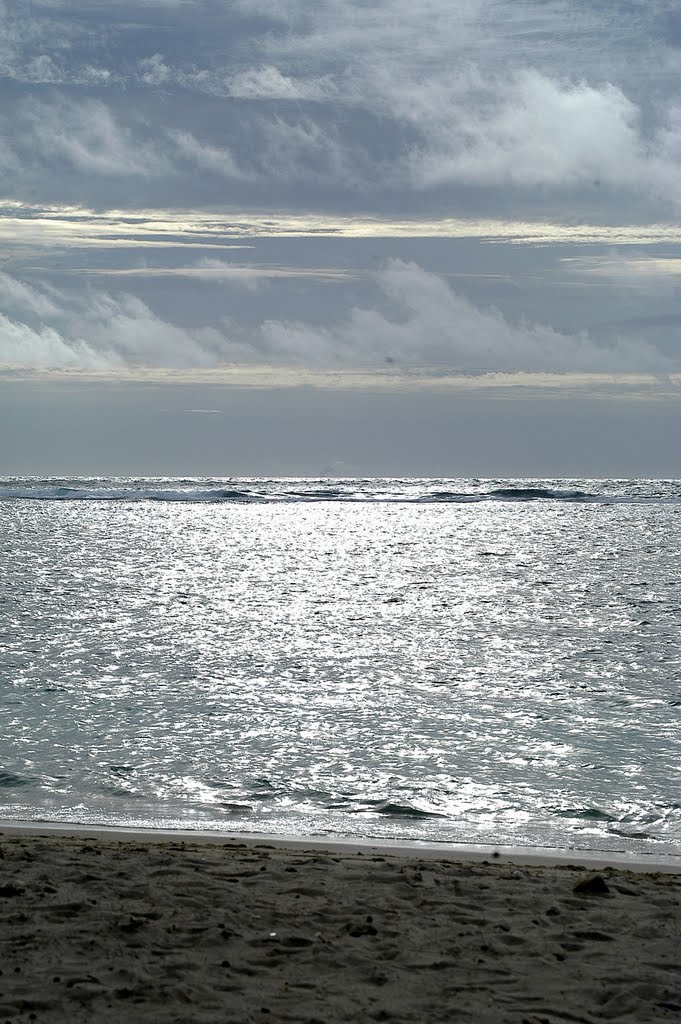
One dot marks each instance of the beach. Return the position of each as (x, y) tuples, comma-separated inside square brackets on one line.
[(145, 928)]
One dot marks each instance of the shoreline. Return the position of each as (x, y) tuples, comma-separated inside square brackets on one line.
[(455, 852)]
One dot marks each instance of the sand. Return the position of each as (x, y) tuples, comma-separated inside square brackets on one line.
[(103, 930)]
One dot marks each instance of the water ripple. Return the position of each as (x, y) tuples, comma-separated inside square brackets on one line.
[(454, 660)]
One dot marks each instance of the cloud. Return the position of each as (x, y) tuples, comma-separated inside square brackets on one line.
[(559, 116), (251, 275), (21, 346), (418, 324), (631, 270), (390, 103), (530, 131), (431, 325), (45, 225), (154, 71), (39, 42), (268, 82), (526, 131), (247, 275), (125, 327), (105, 332), (15, 294), (215, 159), (89, 138), (302, 149)]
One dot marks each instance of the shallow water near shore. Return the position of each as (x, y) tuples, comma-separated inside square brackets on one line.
[(447, 660)]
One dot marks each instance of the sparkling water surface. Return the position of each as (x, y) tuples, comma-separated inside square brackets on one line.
[(447, 660)]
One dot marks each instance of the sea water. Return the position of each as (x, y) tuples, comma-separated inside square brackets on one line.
[(478, 661)]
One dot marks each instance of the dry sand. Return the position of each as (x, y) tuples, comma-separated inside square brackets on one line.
[(100, 930)]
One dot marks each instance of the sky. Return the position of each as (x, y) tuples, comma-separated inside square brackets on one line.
[(354, 237)]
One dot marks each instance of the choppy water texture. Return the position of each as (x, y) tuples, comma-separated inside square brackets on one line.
[(455, 660)]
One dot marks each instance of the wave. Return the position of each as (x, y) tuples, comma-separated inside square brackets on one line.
[(10, 780), (538, 493), (396, 810), (127, 494), (271, 491)]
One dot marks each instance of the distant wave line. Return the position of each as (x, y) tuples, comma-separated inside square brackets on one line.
[(342, 492)]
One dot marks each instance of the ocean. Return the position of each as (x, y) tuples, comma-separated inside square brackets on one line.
[(473, 661)]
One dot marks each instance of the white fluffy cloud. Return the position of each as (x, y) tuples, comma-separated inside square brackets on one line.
[(267, 82), (345, 96), (419, 322), (45, 348), (15, 294), (105, 332), (478, 95), (428, 324), (530, 131)]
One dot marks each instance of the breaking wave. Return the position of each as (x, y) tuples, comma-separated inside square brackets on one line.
[(271, 491)]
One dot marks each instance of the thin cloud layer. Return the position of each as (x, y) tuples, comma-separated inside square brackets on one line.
[(59, 225)]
